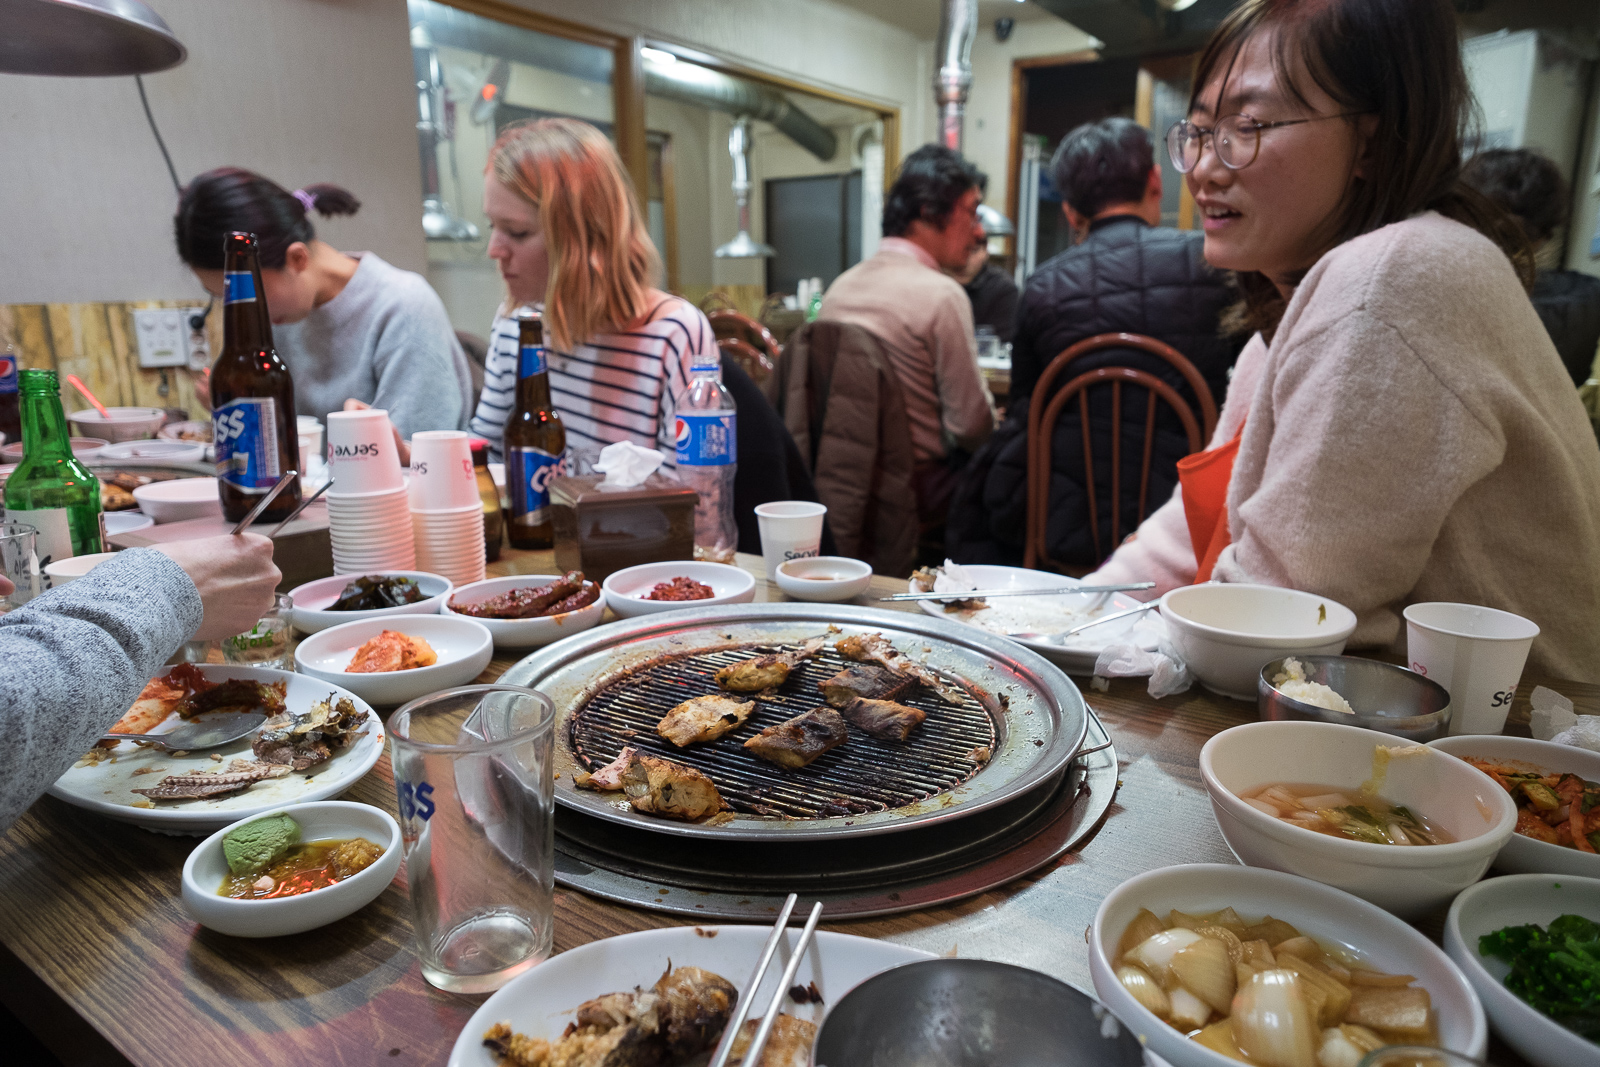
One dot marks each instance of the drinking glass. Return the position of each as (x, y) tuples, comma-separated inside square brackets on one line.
[(19, 561), (477, 807), (267, 643)]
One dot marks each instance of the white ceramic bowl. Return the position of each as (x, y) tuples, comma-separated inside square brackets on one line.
[(463, 646), (155, 449), (179, 499), (524, 633), (826, 578), (1227, 633), (1525, 855), (311, 600), (1515, 901), (1406, 881), (83, 448), (121, 522), (207, 866), (626, 589), (72, 568), (125, 424), (1335, 919)]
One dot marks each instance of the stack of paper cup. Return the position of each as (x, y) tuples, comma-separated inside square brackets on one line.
[(446, 511), (367, 505)]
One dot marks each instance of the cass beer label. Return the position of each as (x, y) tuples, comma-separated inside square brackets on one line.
[(530, 361), (245, 435), (8, 373), (238, 287), (528, 474), (707, 440)]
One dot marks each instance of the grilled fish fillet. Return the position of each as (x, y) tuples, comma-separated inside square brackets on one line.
[(800, 740), (703, 719), (883, 718), (695, 1007), (764, 672), (661, 787), (789, 1044), (863, 680), (875, 648)]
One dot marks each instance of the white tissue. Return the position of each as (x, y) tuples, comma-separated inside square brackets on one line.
[(1552, 713), (625, 464), (1167, 670), (953, 578), (1585, 733)]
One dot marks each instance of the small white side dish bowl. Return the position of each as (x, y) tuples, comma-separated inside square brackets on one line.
[(154, 449), (179, 499), (1408, 881), (463, 646), (1336, 919), (121, 522), (125, 424), (1227, 633), (1516, 901), (83, 448), (207, 866), (72, 568), (626, 589), (311, 600), (1526, 855), (524, 633), (826, 578)]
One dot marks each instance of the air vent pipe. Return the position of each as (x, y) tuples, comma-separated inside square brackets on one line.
[(693, 84), (958, 26)]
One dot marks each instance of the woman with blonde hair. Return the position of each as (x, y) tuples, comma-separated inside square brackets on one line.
[(567, 232)]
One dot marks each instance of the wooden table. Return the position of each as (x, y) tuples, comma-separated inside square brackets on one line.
[(98, 958)]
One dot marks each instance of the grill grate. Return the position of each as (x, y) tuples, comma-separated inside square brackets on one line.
[(865, 774)]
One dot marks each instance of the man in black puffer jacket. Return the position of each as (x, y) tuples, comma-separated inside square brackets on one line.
[(1124, 274)]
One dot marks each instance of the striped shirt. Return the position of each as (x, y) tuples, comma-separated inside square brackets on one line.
[(616, 387)]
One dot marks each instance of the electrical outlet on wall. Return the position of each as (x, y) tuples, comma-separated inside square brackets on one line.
[(166, 338)]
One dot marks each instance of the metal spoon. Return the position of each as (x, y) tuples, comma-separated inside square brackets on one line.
[(212, 732), (1113, 617)]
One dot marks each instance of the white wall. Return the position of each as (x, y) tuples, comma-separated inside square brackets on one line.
[(300, 90)]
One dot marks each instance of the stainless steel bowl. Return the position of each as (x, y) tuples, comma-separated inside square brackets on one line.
[(971, 1013), (1385, 697)]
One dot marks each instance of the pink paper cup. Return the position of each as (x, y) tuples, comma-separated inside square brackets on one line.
[(361, 452), (442, 477)]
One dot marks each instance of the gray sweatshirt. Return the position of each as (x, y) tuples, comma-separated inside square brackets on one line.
[(385, 340), (74, 659)]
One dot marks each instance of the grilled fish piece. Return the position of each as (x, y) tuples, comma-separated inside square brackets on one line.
[(703, 719), (671, 790), (608, 777), (789, 1044), (309, 738), (199, 785), (883, 718), (765, 672), (875, 648), (694, 1010), (236, 694), (800, 740), (865, 681)]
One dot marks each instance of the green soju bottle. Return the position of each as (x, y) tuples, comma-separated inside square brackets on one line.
[(50, 490)]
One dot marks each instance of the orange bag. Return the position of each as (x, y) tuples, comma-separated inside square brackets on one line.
[(1205, 477)]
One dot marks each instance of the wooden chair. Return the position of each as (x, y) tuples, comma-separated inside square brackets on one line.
[(1046, 410), (729, 324), (755, 363)]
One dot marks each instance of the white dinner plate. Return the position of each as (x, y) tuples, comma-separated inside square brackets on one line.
[(540, 1002), (107, 787), (1078, 654)]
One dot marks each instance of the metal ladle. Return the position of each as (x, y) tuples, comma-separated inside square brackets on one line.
[(204, 733)]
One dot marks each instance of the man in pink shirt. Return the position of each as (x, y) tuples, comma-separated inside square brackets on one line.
[(922, 316)]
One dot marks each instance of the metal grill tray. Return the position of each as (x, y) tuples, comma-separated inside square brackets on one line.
[(1038, 716)]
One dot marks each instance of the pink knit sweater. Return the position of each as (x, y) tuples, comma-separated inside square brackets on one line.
[(1411, 436)]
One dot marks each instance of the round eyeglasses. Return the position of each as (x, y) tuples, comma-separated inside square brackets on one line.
[(1235, 138)]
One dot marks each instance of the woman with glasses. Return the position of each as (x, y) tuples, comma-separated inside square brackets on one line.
[(1399, 428)]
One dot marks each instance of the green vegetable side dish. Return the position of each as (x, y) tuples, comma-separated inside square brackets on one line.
[(1556, 971)]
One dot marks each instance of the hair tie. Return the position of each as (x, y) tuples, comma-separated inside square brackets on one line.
[(307, 201)]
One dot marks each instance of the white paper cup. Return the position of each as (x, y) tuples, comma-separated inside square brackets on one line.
[(790, 529), (442, 477), (1476, 653), (310, 427), (361, 452)]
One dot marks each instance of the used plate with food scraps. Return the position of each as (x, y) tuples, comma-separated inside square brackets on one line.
[(106, 786), (1043, 614), (541, 1002)]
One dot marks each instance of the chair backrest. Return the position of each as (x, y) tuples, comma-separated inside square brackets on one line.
[(729, 324), (755, 363), (1045, 410)]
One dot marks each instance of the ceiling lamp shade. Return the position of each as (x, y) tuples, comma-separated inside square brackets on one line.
[(85, 38)]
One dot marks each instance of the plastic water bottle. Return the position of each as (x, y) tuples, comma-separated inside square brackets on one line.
[(708, 456)]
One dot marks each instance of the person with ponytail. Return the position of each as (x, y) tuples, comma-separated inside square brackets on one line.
[(1399, 427), (350, 327)]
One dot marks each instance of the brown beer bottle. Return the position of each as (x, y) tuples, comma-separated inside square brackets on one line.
[(252, 397), (535, 442)]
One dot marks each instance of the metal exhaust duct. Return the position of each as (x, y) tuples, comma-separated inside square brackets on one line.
[(439, 223), (958, 26), (743, 246), (693, 84)]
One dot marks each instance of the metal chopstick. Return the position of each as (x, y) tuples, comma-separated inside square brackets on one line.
[(977, 594), (742, 1007), (295, 514), (758, 1043), (272, 494), (1115, 615)]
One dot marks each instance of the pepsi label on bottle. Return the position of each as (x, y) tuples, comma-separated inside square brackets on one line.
[(530, 360), (245, 435), (707, 440)]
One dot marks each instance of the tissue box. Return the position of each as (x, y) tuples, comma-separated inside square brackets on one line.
[(600, 531)]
